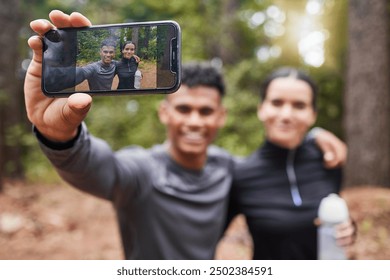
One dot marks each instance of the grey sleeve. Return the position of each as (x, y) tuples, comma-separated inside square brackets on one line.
[(91, 166), (88, 70)]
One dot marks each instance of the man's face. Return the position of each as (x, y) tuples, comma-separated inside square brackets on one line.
[(192, 117), (287, 111), (107, 54)]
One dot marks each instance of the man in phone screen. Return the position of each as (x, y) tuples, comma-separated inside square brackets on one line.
[(59, 76), (100, 74)]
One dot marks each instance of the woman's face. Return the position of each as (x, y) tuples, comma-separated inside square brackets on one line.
[(287, 111), (128, 51)]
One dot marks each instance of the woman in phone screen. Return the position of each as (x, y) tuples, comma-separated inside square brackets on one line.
[(127, 67)]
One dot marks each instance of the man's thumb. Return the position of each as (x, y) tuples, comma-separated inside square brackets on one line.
[(77, 108)]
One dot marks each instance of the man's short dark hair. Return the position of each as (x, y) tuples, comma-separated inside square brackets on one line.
[(108, 42), (203, 74)]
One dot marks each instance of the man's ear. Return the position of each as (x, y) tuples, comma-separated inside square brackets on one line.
[(163, 112), (222, 118)]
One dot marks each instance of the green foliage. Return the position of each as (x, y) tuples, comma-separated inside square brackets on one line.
[(38, 168), (243, 132), (89, 44), (145, 38), (124, 121), (330, 99)]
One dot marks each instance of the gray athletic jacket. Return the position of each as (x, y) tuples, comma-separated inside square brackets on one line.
[(164, 211)]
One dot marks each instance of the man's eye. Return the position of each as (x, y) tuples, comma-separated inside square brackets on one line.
[(300, 106), (206, 111), (183, 109)]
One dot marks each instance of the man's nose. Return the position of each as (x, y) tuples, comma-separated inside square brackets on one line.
[(194, 118)]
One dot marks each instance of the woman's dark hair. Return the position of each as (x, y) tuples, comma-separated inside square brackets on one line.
[(203, 74), (126, 43), (292, 73)]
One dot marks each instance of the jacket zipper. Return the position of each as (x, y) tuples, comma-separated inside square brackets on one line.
[(292, 178)]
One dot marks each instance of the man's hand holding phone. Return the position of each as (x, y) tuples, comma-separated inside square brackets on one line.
[(57, 119), (65, 62)]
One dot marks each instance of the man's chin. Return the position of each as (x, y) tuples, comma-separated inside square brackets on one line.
[(194, 150)]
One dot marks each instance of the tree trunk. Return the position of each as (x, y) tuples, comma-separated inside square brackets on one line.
[(229, 47), (367, 98), (11, 97)]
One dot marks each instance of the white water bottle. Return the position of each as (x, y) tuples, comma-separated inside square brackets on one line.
[(137, 79), (332, 211)]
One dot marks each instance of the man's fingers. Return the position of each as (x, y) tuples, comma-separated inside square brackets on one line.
[(35, 43), (334, 150), (79, 20), (75, 19), (32, 82), (60, 19), (330, 159), (329, 156), (41, 26)]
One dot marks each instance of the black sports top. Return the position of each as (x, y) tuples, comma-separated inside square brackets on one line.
[(279, 192), (125, 69)]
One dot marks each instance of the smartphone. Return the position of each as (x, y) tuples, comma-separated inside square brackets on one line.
[(115, 59)]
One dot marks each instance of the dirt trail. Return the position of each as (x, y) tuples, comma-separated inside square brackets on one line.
[(59, 222)]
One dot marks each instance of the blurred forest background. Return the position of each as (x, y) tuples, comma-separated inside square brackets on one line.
[(342, 44)]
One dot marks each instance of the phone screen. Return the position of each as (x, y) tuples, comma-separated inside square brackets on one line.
[(112, 59)]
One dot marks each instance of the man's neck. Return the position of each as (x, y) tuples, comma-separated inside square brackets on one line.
[(194, 162)]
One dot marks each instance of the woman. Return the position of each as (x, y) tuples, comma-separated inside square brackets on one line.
[(279, 187), (127, 66)]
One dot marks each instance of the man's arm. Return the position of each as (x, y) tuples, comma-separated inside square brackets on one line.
[(89, 164), (85, 162)]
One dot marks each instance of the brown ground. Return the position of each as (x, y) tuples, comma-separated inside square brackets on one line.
[(59, 222)]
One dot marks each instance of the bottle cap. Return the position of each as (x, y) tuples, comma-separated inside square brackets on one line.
[(333, 209)]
